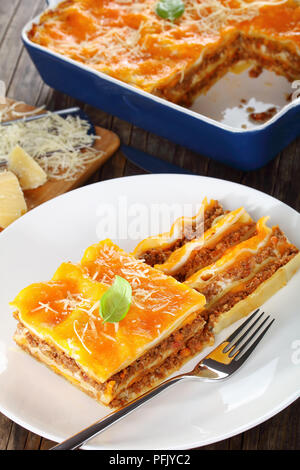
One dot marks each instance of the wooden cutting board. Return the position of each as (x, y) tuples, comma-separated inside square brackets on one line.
[(108, 144)]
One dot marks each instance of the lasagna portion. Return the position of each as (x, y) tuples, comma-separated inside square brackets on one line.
[(178, 59), (246, 275), (233, 267), (236, 264), (59, 323)]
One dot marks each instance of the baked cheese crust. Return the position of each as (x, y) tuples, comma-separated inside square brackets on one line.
[(174, 60), (60, 320)]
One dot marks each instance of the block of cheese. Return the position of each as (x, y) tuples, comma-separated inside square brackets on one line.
[(12, 202), (29, 172)]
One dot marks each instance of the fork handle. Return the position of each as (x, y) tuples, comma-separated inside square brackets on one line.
[(98, 427)]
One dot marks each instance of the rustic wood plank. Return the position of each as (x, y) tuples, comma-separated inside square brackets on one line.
[(263, 179), (191, 161), (30, 86), (281, 431), (138, 139), (99, 118), (161, 148), (44, 97), (122, 128), (25, 84), (236, 442), (17, 438), (11, 48), (33, 441), (5, 430), (219, 170), (7, 12), (286, 185), (115, 167), (46, 444), (221, 445), (251, 439)]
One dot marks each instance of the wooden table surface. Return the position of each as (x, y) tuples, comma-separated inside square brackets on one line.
[(280, 178)]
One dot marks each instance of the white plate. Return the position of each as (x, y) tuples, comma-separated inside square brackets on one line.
[(190, 414)]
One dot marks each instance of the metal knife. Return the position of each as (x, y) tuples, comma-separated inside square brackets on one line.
[(61, 112), (150, 163)]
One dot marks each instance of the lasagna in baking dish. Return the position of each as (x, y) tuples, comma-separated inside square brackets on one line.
[(177, 59), (59, 324)]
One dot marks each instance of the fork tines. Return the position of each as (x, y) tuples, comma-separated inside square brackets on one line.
[(248, 346)]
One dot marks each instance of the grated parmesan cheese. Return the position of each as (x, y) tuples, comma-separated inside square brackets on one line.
[(213, 16), (108, 337), (156, 296), (79, 337), (54, 142), (44, 306)]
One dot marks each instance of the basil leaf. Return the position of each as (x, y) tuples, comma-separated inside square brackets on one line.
[(116, 301), (169, 9)]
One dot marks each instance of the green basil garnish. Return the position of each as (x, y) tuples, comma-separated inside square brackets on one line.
[(169, 9), (116, 301)]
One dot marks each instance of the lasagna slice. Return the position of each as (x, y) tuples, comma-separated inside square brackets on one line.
[(105, 260), (59, 324), (228, 231), (157, 249), (246, 276)]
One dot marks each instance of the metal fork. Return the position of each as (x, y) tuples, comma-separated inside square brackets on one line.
[(219, 364)]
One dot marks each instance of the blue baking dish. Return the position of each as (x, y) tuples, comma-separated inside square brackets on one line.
[(239, 148)]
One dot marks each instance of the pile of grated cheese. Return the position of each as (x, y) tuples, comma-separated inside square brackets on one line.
[(55, 142)]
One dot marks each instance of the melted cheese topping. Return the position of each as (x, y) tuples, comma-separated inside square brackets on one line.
[(65, 310), (127, 40)]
